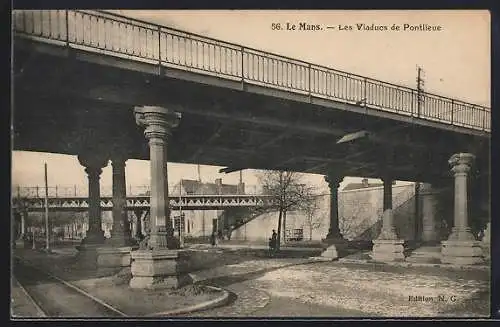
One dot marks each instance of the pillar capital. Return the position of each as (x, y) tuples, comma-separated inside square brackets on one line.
[(427, 189), (461, 162), (158, 121), (93, 161), (118, 153), (333, 180), (387, 177), (118, 161)]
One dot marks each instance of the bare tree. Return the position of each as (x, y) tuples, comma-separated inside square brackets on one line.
[(314, 219), (288, 192), (352, 221)]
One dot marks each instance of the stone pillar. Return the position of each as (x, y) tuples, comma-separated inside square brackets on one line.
[(94, 236), (430, 230), (120, 235), (335, 240), (388, 247), (93, 163), (158, 123), (23, 224), (20, 223), (117, 253), (158, 263), (461, 248), (388, 231), (333, 184), (138, 225), (486, 242), (429, 250)]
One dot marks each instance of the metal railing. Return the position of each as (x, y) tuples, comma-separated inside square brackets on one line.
[(120, 36)]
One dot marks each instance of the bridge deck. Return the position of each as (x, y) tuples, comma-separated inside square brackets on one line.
[(85, 70), (114, 35)]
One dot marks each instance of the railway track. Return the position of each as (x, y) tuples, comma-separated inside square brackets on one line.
[(55, 297)]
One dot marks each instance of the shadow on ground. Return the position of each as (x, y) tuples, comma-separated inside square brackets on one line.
[(226, 280)]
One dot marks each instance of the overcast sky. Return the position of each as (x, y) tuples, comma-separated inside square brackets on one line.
[(456, 63)]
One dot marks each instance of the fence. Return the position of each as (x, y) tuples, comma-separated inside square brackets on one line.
[(120, 36), (77, 191)]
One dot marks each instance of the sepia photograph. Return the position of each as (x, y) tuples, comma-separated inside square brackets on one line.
[(250, 164)]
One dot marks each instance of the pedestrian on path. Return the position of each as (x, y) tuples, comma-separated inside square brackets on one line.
[(213, 239), (273, 243)]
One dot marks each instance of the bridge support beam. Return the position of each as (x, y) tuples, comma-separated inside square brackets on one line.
[(430, 231), (20, 223), (158, 263), (117, 253), (335, 240), (93, 163), (138, 225), (429, 250), (158, 123), (486, 242), (388, 247), (120, 234), (461, 247)]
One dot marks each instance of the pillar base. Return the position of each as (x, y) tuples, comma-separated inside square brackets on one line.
[(112, 257), (160, 240), (461, 234), (87, 256), (94, 238), (120, 241), (426, 254), (486, 248), (485, 242), (156, 269), (334, 239), (388, 250), (388, 234), (19, 243), (337, 247), (464, 252)]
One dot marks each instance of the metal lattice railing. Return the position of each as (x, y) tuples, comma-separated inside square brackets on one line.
[(79, 191), (120, 36)]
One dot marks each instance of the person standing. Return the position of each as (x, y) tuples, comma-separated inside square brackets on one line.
[(213, 239), (273, 242)]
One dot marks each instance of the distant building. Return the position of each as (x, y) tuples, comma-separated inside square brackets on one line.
[(195, 187), (364, 184), (199, 223)]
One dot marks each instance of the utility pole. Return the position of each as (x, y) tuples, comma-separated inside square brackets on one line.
[(240, 185), (181, 217), (420, 89), (46, 210)]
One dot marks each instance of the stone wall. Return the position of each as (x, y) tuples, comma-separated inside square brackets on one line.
[(358, 211), (361, 209), (200, 222)]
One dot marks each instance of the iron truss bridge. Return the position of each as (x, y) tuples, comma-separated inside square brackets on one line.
[(186, 202)]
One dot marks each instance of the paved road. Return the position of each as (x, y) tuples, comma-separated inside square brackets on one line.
[(55, 298), (286, 307), (251, 300), (278, 288)]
